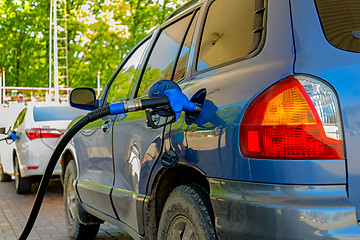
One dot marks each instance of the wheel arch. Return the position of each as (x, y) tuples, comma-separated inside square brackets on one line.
[(164, 183), (64, 161), (14, 154)]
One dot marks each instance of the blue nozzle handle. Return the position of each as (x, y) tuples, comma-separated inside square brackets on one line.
[(179, 102), (13, 136)]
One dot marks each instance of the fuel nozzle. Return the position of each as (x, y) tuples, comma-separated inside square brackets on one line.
[(179, 102), (173, 98), (165, 100), (160, 101), (11, 135)]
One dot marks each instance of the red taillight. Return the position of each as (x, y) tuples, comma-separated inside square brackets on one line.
[(283, 123), (34, 133)]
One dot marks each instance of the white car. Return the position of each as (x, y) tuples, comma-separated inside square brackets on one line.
[(38, 129)]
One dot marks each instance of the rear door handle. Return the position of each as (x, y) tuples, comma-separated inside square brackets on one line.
[(106, 127)]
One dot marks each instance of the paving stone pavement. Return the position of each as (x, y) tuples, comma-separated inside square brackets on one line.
[(50, 223)]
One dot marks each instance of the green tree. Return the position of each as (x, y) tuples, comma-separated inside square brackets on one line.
[(105, 31), (100, 34), (23, 42)]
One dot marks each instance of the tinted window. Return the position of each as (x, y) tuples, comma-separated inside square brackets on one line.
[(56, 113), (161, 61), (341, 22), (227, 34), (121, 87)]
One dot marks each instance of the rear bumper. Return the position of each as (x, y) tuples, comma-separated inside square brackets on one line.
[(25, 172), (268, 211), (37, 156)]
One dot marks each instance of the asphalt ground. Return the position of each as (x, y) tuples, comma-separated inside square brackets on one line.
[(50, 223)]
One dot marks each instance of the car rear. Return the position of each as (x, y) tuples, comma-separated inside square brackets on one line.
[(301, 137), (330, 49), (43, 134)]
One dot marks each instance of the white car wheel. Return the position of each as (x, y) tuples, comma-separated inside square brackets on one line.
[(76, 229), (22, 185)]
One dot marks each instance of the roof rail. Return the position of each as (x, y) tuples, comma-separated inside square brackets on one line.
[(182, 8)]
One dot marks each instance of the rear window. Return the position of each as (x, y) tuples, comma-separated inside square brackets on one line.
[(340, 20), (56, 113)]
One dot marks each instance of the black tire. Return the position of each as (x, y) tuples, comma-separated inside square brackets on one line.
[(75, 228), (3, 176), (187, 214), (22, 185)]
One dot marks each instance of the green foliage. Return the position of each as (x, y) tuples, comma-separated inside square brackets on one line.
[(100, 34), (150, 76), (24, 38), (121, 85)]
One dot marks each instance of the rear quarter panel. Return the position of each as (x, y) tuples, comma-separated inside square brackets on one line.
[(316, 56)]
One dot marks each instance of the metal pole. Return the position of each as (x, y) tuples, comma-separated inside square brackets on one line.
[(98, 83), (56, 70), (50, 49), (3, 85), (1, 100)]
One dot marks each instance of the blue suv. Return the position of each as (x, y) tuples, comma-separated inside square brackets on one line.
[(274, 154)]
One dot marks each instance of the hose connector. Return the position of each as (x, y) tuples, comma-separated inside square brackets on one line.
[(179, 102)]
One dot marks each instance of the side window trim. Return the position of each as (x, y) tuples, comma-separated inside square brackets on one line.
[(129, 55), (182, 44)]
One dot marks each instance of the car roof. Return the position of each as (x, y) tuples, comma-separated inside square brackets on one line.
[(183, 8)]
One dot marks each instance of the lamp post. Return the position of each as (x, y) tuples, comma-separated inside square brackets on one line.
[(1, 101), (56, 64), (3, 85), (98, 83), (48, 96)]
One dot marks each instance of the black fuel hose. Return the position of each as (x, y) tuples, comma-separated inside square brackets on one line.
[(173, 98), (90, 117)]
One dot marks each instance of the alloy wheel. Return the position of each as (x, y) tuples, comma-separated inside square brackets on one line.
[(181, 229), (71, 200), (17, 174)]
